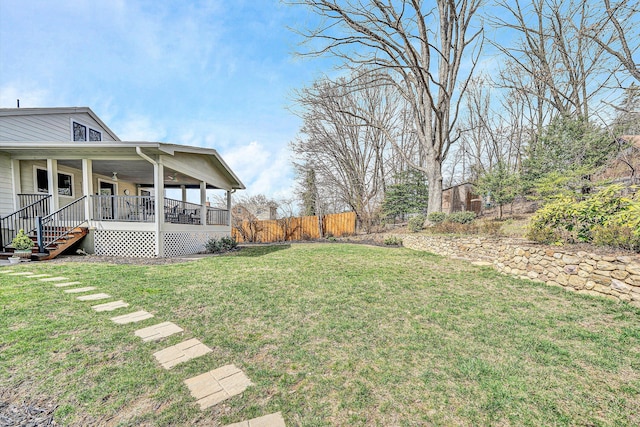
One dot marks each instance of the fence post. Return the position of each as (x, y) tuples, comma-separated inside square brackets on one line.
[(39, 234)]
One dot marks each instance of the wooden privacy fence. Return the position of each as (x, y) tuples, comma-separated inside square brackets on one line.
[(295, 228)]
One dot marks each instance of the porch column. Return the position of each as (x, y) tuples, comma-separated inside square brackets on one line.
[(229, 207), (203, 203), (52, 177), (15, 183), (87, 186), (158, 185), (184, 193)]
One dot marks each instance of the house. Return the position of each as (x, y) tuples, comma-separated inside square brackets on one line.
[(460, 198), (247, 211), (62, 171)]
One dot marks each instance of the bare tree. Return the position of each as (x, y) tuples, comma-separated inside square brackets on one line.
[(617, 32), (346, 155), (553, 61), (421, 48)]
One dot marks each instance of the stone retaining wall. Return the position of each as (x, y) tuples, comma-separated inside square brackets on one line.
[(582, 272)]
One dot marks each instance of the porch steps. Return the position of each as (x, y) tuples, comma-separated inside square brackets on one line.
[(62, 245)]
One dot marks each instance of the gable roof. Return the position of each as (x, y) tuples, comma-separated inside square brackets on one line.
[(57, 110), (115, 150)]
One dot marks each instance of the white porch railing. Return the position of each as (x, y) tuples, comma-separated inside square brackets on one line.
[(142, 209)]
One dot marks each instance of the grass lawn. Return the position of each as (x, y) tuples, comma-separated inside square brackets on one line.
[(330, 334)]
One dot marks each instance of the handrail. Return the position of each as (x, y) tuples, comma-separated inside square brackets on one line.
[(56, 226), (24, 218), (217, 216), (179, 212), (123, 208), (26, 199)]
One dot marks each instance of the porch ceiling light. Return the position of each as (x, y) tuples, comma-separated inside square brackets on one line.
[(115, 176)]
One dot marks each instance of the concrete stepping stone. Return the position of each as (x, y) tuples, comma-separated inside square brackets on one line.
[(482, 263), (39, 275), (94, 297), (53, 279), (186, 350), (5, 271), (80, 290), (159, 331), (215, 386), (21, 273), (271, 420), (136, 316), (110, 306), (62, 285)]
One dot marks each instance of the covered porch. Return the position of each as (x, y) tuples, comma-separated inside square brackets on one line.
[(136, 199)]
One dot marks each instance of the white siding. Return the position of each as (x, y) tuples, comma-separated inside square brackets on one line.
[(6, 190), (45, 127)]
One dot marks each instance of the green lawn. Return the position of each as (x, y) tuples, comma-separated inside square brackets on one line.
[(330, 334)]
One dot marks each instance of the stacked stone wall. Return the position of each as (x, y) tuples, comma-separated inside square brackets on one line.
[(616, 277)]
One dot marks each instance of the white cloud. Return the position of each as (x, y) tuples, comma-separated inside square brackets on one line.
[(30, 96), (140, 128), (262, 171)]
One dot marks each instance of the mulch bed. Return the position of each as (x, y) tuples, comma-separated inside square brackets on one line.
[(27, 414)]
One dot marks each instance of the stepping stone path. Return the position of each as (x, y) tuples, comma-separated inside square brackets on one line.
[(272, 420), (209, 388), (94, 297), (215, 386), (53, 279), (159, 331), (80, 290), (179, 353), (62, 285), (132, 317), (110, 306)]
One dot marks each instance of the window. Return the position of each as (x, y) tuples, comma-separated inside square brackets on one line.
[(65, 182), (94, 135), (80, 133), (42, 181)]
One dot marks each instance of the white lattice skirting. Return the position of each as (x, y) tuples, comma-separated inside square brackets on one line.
[(178, 244), (139, 244)]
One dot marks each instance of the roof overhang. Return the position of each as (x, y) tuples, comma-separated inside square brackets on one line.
[(117, 153)]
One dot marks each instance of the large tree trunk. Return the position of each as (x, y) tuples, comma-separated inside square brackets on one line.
[(434, 176)]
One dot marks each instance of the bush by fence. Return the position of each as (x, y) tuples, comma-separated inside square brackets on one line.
[(294, 228)]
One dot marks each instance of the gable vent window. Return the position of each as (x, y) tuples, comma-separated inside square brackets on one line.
[(94, 135), (80, 133)]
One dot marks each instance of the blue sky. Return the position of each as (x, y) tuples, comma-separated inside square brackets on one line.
[(214, 73)]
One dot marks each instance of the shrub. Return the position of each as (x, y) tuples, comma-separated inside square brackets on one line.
[(416, 223), (22, 242), (462, 217), (393, 241), (606, 217), (436, 217), (619, 236), (224, 244), (492, 228)]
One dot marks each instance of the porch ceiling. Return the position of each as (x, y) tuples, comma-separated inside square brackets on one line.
[(136, 171)]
